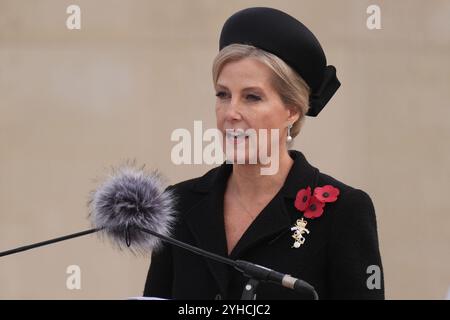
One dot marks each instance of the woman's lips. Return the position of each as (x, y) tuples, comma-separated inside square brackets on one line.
[(237, 140), (236, 137)]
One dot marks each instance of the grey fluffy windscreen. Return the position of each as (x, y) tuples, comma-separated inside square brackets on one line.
[(131, 199)]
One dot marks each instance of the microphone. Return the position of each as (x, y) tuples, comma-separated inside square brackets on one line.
[(128, 203), (135, 210), (265, 274)]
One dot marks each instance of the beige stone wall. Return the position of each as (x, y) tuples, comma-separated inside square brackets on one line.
[(74, 103)]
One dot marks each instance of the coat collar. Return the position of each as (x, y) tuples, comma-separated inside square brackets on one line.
[(206, 220), (300, 176)]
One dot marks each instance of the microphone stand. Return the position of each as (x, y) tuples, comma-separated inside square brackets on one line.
[(254, 272)]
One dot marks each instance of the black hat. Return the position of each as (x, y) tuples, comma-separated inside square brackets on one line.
[(277, 32)]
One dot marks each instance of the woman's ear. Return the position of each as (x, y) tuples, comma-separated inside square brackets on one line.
[(293, 115)]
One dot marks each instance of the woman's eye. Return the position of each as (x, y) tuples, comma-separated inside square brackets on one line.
[(253, 97), (220, 94)]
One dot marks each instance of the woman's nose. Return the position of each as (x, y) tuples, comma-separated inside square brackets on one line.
[(234, 110)]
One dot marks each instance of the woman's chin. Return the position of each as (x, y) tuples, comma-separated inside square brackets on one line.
[(242, 156)]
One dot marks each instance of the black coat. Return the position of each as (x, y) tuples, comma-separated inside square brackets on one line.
[(335, 257)]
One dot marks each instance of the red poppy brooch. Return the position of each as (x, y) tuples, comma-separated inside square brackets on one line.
[(312, 207)]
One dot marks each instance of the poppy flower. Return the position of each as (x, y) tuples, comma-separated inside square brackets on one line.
[(314, 209), (326, 193), (303, 198)]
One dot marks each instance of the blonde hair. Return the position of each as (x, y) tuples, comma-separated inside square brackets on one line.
[(292, 89)]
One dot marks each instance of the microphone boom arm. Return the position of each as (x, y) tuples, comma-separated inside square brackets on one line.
[(251, 270), (47, 242)]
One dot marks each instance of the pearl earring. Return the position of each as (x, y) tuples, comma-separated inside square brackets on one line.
[(289, 137)]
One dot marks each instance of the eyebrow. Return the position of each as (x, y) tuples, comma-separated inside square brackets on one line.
[(245, 89)]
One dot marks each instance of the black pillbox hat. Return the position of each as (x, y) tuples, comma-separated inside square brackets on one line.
[(284, 36)]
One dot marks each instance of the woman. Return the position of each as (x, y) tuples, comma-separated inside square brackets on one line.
[(269, 74)]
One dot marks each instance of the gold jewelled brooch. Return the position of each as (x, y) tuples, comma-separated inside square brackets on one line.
[(299, 229), (311, 204)]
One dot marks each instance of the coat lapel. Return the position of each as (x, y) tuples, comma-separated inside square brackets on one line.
[(301, 175), (206, 220)]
